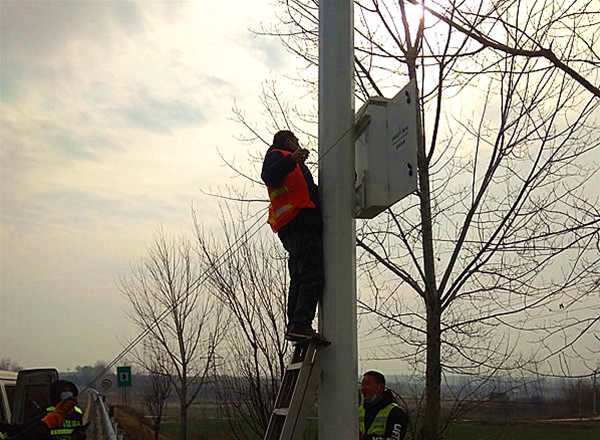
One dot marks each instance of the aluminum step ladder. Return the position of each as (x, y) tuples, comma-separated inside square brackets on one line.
[(297, 391)]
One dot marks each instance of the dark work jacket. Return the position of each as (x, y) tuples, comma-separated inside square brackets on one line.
[(275, 167), (397, 420), (35, 431)]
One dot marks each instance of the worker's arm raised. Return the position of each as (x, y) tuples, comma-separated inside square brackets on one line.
[(275, 167)]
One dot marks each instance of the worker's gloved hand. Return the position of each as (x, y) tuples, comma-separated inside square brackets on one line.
[(300, 155), (79, 432), (61, 411), (65, 407)]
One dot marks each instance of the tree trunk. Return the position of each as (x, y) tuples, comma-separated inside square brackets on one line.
[(431, 423), (157, 428), (183, 421)]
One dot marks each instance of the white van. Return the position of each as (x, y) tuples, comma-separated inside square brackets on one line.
[(25, 394), (8, 382)]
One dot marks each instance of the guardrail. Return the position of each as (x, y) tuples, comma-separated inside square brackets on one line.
[(96, 414)]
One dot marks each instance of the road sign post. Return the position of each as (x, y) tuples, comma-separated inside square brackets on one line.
[(124, 382), (124, 376)]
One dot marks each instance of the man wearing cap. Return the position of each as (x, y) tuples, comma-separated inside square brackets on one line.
[(60, 390), (295, 215), (379, 415)]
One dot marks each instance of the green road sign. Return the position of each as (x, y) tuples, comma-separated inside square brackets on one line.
[(124, 376)]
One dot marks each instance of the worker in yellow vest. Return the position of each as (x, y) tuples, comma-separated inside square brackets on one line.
[(40, 429), (60, 390), (379, 415)]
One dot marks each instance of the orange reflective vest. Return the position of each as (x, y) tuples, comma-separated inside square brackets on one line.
[(65, 431), (288, 198)]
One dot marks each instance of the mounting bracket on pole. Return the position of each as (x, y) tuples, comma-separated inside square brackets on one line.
[(360, 125)]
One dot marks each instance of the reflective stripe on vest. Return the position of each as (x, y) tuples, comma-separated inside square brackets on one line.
[(75, 408), (66, 430), (288, 198), (278, 191), (379, 423), (61, 431), (273, 217)]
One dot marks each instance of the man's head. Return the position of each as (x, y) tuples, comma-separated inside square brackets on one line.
[(372, 385), (61, 389), (285, 140)]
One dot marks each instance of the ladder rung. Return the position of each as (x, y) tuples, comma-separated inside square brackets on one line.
[(296, 392)]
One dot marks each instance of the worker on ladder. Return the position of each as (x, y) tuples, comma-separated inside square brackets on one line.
[(379, 416), (295, 215)]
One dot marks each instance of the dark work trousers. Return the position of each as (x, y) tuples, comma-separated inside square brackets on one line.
[(305, 248)]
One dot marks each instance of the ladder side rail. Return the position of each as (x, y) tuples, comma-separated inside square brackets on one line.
[(288, 391), (299, 393), (306, 402)]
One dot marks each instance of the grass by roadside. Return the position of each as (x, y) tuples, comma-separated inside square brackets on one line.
[(204, 425), (525, 432)]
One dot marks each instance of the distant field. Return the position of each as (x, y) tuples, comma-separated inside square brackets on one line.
[(220, 429), (538, 432), (204, 425), (212, 429), (197, 430)]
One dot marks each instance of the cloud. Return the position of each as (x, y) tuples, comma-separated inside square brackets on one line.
[(79, 205), (163, 115), (75, 208), (41, 27), (35, 33), (68, 145), (128, 14), (268, 49)]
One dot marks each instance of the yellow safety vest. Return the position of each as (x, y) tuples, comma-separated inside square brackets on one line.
[(379, 423), (66, 430)]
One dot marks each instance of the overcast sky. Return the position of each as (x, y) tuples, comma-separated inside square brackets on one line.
[(112, 112), (111, 116)]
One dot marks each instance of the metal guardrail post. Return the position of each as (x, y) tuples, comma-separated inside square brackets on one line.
[(101, 427)]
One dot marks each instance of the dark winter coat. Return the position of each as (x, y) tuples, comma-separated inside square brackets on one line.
[(35, 431)]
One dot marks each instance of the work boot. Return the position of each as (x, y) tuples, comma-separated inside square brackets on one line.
[(296, 334)]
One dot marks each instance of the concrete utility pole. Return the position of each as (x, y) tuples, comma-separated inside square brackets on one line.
[(338, 392)]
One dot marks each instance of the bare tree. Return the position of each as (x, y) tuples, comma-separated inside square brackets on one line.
[(159, 390), (247, 274), (90, 375), (9, 364), (500, 242), (184, 325)]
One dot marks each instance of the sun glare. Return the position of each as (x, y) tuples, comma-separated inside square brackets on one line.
[(414, 13)]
